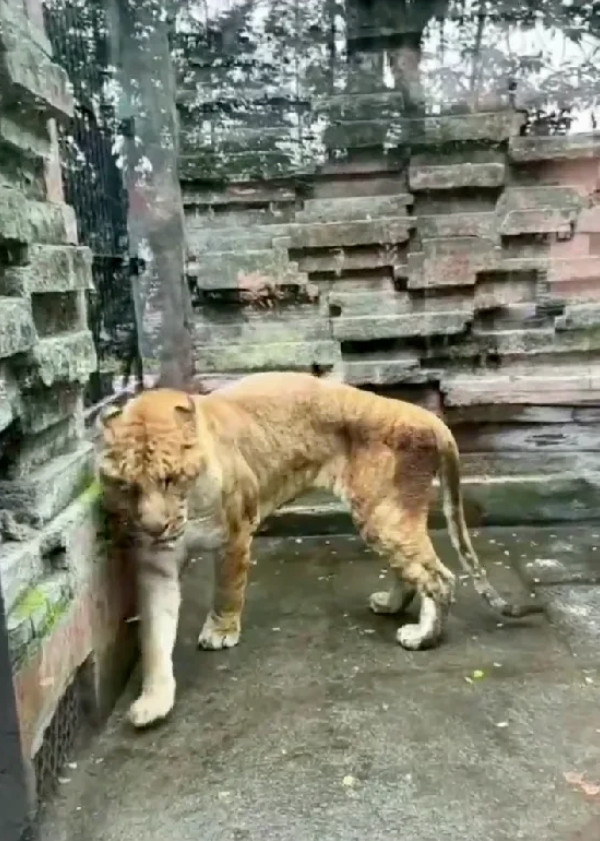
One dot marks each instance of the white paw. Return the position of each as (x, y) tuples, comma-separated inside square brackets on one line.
[(411, 636), (380, 603), (152, 706), (215, 635)]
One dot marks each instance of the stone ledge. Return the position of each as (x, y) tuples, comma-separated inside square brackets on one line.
[(234, 270), (483, 225), (530, 210), (69, 357), (47, 491), (30, 77), (367, 327), (36, 613), (17, 330), (386, 230), (298, 356), (51, 268), (448, 128), (354, 208), (203, 241), (249, 166), (15, 18), (266, 328), (31, 144), (553, 386), (28, 221), (383, 370), (43, 407), (501, 501), (9, 396), (569, 147), (456, 176), (56, 546)]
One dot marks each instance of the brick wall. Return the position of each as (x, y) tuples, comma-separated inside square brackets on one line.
[(56, 577), (408, 222)]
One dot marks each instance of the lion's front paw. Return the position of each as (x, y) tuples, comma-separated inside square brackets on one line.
[(219, 632), (152, 706)]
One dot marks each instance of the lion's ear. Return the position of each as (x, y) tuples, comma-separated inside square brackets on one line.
[(106, 419), (186, 412)]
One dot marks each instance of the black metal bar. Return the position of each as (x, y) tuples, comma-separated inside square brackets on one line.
[(94, 187), (14, 803)]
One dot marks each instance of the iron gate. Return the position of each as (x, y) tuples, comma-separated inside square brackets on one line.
[(94, 187)]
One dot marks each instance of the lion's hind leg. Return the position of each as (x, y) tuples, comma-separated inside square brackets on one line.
[(394, 524), (417, 571), (388, 490), (395, 600)]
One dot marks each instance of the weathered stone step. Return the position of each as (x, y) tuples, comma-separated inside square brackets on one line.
[(17, 330), (240, 140), (354, 208), (569, 147), (234, 270), (451, 262), (338, 261), (579, 317), (530, 210), (48, 490), (492, 293), (225, 358), (352, 107), (339, 234), (498, 500), (482, 225), (383, 370), (29, 77), (51, 268), (241, 218), (36, 613), (267, 326), (31, 144), (367, 327), (239, 194), (535, 437), (69, 357), (496, 126), (383, 301), (29, 221), (447, 176), (244, 166), (260, 238)]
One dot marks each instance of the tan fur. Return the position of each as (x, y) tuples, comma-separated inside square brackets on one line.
[(226, 461)]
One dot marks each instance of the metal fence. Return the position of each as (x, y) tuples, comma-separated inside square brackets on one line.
[(94, 187)]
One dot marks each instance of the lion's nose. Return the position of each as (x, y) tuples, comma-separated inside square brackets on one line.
[(152, 518), (154, 527)]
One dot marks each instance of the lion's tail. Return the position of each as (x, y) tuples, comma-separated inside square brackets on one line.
[(457, 528)]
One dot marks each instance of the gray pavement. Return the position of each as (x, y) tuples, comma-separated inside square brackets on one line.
[(319, 726)]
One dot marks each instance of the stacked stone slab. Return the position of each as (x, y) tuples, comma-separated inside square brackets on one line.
[(456, 258), (49, 553)]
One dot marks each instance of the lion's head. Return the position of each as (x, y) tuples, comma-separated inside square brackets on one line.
[(150, 457)]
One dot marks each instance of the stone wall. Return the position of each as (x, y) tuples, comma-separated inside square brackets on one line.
[(388, 195), (61, 591)]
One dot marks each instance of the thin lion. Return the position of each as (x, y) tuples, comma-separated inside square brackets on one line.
[(204, 472)]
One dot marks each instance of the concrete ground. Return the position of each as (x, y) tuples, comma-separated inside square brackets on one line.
[(320, 727)]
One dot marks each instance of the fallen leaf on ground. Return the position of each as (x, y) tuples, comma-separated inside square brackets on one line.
[(576, 779)]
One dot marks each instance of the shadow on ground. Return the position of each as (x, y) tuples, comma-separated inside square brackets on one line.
[(319, 726)]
